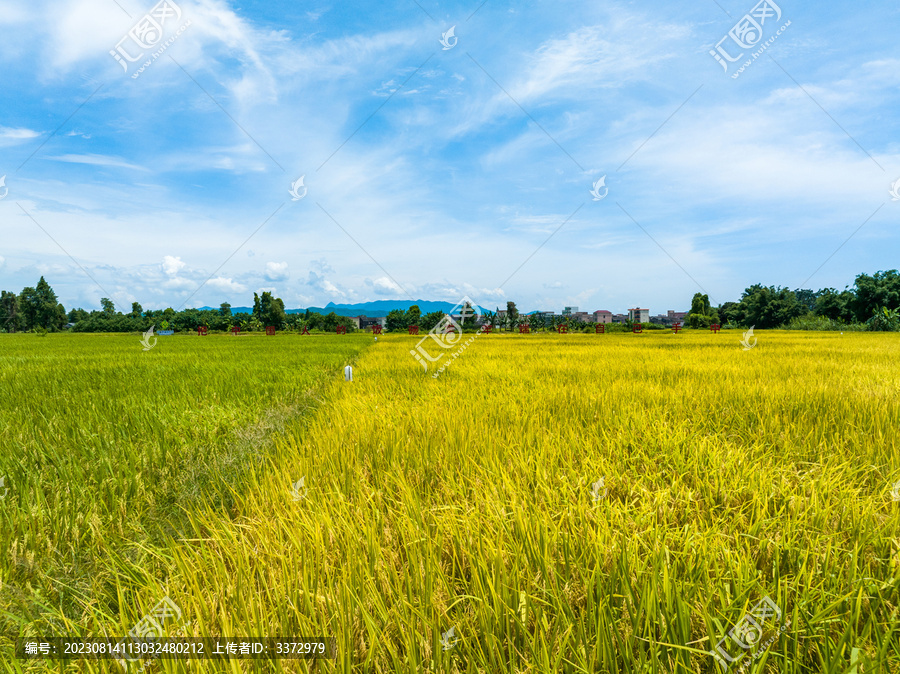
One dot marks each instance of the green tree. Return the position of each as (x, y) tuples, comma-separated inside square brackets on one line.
[(770, 307), (136, 310), (470, 320), (59, 319), (28, 306), (276, 312), (315, 320), (701, 315), (430, 320), (10, 315), (807, 298), (39, 306), (412, 315), (108, 308), (512, 315), (700, 304), (187, 321), (838, 306), (396, 321), (77, 315), (874, 292), (332, 320), (268, 310), (731, 312), (225, 310), (347, 322)]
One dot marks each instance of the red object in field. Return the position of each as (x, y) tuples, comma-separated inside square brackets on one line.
[(305, 330), (562, 329), (715, 327), (523, 329), (637, 327), (487, 328), (376, 329), (235, 329), (676, 327), (341, 329), (414, 329), (599, 329), (270, 329), (201, 331)]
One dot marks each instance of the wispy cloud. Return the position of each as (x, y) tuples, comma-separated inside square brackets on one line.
[(13, 136), (97, 160)]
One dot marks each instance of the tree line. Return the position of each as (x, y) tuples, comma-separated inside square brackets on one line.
[(38, 309), (872, 303)]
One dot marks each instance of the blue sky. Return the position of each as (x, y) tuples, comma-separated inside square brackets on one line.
[(435, 173)]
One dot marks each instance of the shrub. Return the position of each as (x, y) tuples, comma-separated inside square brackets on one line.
[(884, 320), (820, 323)]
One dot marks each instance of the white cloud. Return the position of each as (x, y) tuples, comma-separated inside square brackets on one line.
[(97, 160), (277, 271), (483, 294), (321, 264), (172, 265), (594, 56), (771, 147), (537, 224), (385, 286), (226, 284), (9, 136), (580, 65), (332, 289), (324, 285), (179, 284)]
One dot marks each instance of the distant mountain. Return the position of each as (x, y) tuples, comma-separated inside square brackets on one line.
[(376, 309)]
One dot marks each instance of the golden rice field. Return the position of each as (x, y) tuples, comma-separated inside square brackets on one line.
[(470, 502)]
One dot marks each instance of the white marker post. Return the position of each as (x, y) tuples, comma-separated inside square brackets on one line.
[(348, 373)]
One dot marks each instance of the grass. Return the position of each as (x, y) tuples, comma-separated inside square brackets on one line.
[(465, 501)]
